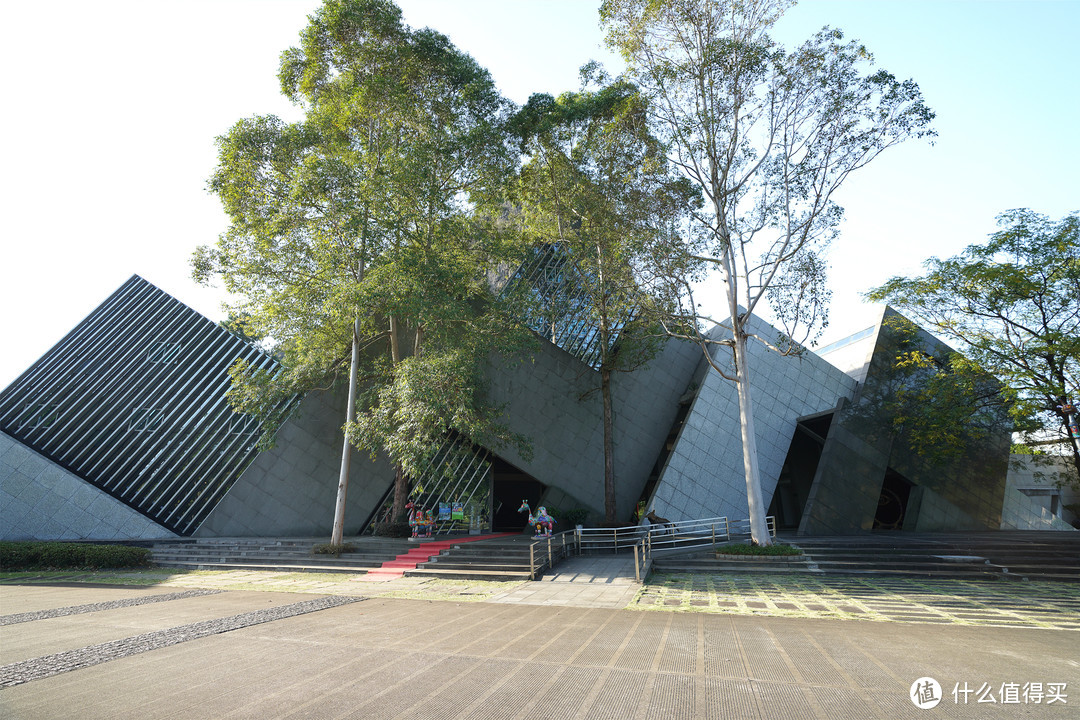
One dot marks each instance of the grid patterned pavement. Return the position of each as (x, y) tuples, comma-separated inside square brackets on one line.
[(1054, 606), (393, 658), (609, 583)]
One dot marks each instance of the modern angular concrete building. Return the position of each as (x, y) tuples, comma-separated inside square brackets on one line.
[(122, 431)]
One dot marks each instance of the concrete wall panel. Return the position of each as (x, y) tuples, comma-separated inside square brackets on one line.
[(40, 500)]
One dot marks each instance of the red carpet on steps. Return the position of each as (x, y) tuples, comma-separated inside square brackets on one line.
[(393, 569)]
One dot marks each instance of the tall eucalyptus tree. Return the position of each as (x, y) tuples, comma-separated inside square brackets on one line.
[(357, 240), (596, 189), (768, 135)]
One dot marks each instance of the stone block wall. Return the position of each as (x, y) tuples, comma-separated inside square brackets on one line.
[(1049, 476), (554, 399), (39, 500), (704, 475), (291, 489)]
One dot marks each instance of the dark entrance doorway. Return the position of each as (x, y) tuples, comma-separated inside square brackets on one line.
[(893, 502), (800, 466), (509, 487)]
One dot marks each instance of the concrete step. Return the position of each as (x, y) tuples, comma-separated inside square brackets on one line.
[(288, 554), (255, 557), (309, 560), (469, 574), (267, 566), (490, 565)]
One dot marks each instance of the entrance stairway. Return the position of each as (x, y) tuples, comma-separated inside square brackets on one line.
[(505, 558), (997, 555), (1013, 555), (278, 554), (1004, 555)]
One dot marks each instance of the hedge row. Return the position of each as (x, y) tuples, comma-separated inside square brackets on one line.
[(745, 549), (67, 556)]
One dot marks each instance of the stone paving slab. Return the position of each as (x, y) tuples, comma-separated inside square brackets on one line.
[(1051, 606), (394, 658), (54, 635), (1046, 605), (43, 591)]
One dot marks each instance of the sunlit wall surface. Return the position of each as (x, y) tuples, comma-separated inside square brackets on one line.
[(133, 402), (871, 476)]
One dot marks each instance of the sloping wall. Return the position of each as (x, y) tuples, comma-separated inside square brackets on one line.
[(291, 490), (39, 500), (552, 398), (962, 492), (555, 400), (704, 475)]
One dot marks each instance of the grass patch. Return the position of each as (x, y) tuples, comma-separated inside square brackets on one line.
[(746, 549), (71, 556)]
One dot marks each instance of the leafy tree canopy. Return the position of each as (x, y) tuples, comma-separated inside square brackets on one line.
[(1012, 305), (767, 135), (365, 227), (597, 200)]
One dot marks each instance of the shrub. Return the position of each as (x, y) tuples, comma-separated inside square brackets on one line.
[(574, 517), (331, 549), (744, 549), (393, 529), (69, 556)]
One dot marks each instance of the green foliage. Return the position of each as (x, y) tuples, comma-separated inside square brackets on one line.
[(747, 549), (239, 325), (63, 556), (332, 549), (371, 221), (938, 403), (596, 190), (393, 529), (574, 517), (1012, 306), (597, 186), (947, 405), (418, 400), (767, 134)]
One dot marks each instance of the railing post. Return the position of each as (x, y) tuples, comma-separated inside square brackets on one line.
[(714, 533), (615, 535), (550, 563), (637, 573), (532, 561)]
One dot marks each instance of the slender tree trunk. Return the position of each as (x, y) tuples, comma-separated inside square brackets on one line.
[(401, 481), (609, 447), (338, 533), (401, 494), (395, 343), (759, 529)]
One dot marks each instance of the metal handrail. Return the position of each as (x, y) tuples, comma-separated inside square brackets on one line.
[(684, 534), (642, 558), (545, 552)]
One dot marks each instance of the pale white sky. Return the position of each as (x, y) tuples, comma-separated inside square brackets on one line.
[(113, 106)]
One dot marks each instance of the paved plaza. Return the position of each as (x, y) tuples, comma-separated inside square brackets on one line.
[(586, 642)]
